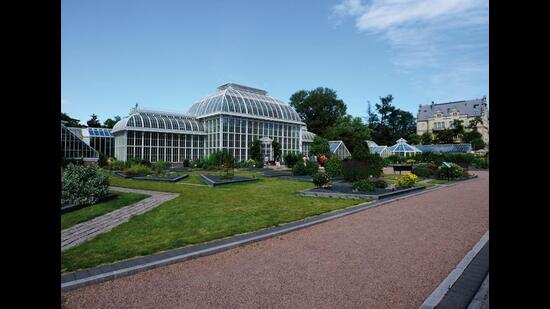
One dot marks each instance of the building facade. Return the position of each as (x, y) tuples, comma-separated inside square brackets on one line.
[(230, 118), (433, 117)]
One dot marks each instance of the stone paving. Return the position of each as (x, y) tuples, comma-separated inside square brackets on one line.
[(84, 231)]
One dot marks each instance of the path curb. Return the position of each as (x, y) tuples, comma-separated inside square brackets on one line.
[(82, 278), (437, 295)]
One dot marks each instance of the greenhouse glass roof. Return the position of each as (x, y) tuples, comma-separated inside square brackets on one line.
[(377, 149), (238, 99), (446, 148), (307, 136), (403, 147), (159, 121), (99, 132)]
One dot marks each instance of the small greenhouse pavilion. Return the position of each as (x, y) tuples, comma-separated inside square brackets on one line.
[(403, 149)]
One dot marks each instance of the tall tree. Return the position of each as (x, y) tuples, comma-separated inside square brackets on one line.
[(445, 136), (458, 128), (413, 139), (319, 108), (319, 147), (94, 122), (110, 123), (392, 124), (426, 138), (351, 130)]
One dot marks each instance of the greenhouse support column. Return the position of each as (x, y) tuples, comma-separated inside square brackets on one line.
[(246, 141)]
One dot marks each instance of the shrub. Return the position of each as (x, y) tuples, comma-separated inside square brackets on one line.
[(186, 163), (481, 162), (83, 185), (160, 166), (118, 165), (407, 180), (425, 169), (361, 152), (453, 171), (364, 185), (320, 179), (334, 167), (137, 170), (354, 170), (292, 158), (311, 167), (258, 164), (132, 162), (198, 163), (299, 169), (380, 183)]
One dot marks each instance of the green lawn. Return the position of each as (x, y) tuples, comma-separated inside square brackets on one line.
[(119, 200), (198, 215)]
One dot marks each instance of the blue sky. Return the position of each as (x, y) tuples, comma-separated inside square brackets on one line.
[(168, 54)]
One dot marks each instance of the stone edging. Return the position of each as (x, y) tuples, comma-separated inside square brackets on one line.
[(131, 266), (437, 295), (212, 183), (358, 195)]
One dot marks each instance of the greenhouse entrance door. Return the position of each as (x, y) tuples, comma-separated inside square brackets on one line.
[(267, 149)]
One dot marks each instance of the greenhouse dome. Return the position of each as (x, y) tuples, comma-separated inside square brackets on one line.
[(403, 149), (238, 100)]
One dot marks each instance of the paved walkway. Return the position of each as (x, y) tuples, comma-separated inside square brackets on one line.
[(391, 256), (79, 233)]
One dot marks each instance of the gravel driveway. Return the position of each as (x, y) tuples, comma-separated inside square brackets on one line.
[(391, 256)]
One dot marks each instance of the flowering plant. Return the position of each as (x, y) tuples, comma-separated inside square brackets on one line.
[(407, 180), (322, 160)]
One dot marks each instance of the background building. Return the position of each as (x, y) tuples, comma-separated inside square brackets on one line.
[(74, 148), (433, 117)]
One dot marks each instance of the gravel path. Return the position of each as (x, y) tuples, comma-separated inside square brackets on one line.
[(84, 231), (391, 256)]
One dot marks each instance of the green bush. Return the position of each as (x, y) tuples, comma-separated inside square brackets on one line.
[(364, 185), (131, 162), (118, 165), (361, 152), (137, 170), (320, 179), (186, 163), (160, 167), (299, 169), (354, 170), (245, 164), (454, 171), (311, 167), (425, 169), (334, 167), (83, 185), (481, 162), (292, 158), (380, 183), (258, 164), (66, 162)]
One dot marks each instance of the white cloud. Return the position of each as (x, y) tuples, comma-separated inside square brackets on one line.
[(447, 37)]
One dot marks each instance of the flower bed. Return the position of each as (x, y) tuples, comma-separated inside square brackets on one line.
[(345, 190)]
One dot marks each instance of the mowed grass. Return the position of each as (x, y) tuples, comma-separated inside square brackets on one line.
[(119, 200), (198, 215)]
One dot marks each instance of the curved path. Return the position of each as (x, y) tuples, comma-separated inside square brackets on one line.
[(84, 231), (392, 256)]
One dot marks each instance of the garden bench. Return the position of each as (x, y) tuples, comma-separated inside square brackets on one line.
[(402, 167)]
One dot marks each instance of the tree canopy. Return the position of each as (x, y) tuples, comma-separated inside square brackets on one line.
[(427, 138), (351, 130), (94, 122), (320, 146), (110, 123), (389, 123), (71, 122), (319, 108)]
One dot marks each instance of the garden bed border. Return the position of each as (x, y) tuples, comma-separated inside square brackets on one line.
[(308, 192), (213, 183)]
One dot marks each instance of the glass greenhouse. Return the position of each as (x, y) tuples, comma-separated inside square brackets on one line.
[(403, 149), (100, 139), (382, 151), (445, 148), (340, 149), (73, 147), (230, 118)]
